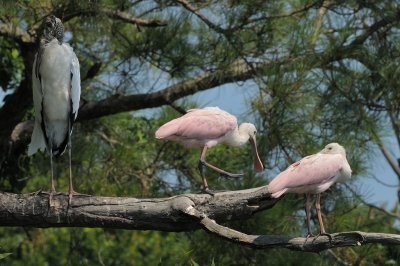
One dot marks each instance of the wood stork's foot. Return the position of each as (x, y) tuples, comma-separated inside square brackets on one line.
[(73, 193), (51, 194), (37, 192)]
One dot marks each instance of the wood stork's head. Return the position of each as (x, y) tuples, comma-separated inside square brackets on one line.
[(53, 28)]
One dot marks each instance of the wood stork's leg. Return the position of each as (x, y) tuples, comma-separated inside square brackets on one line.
[(71, 190), (53, 188)]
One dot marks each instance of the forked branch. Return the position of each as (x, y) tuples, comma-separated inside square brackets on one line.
[(179, 213)]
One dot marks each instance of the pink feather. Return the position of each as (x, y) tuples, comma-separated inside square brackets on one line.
[(312, 174)]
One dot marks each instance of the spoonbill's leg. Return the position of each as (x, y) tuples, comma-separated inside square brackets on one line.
[(307, 207), (322, 231), (222, 172)]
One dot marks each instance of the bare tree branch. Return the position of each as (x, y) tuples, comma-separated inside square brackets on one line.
[(16, 33), (318, 22), (372, 206), (166, 214), (120, 103), (311, 244), (117, 15), (190, 8), (179, 213), (389, 158)]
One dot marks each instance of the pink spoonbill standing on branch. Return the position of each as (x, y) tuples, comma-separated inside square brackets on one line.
[(207, 127), (313, 175)]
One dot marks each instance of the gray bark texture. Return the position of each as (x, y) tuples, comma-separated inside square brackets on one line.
[(175, 214)]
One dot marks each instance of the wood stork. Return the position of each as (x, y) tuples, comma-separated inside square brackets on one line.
[(56, 93)]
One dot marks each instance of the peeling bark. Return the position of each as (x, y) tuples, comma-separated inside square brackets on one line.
[(175, 214), (165, 214)]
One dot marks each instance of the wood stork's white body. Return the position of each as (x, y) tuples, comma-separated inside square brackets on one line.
[(56, 94), (54, 91)]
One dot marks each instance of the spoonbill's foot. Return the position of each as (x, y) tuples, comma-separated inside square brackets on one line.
[(325, 234), (361, 236), (230, 175), (308, 236), (209, 191)]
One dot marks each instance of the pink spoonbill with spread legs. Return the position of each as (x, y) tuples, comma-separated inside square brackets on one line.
[(207, 127), (313, 175)]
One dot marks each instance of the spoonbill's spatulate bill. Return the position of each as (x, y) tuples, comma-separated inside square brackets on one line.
[(205, 128), (313, 175), (56, 93)]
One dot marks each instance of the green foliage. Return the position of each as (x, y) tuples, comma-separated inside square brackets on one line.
[(4, 255), (319, 84), (11, 65)]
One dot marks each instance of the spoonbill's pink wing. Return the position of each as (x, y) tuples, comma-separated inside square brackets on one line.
[(310, 171), (201, 124)]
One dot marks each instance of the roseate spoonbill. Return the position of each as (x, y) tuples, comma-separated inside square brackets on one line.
[(56, 93), (313, 175), (205, 128)]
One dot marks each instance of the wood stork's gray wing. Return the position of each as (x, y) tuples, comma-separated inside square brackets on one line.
[(37, 90), (37, 139), (75, 84)]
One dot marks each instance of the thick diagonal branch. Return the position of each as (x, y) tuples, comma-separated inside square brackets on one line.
[(122, 103), (179, 213), (166, 214)]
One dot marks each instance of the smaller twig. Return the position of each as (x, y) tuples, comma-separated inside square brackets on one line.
[(190, 8), (337, 258), (177, 108), (118, 15), (16, 33), (310, 244), (391, 214)]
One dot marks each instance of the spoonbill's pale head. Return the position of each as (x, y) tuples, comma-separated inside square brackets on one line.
[(334, 148)]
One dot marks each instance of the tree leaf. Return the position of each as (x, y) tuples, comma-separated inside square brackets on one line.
[(4, 255)]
